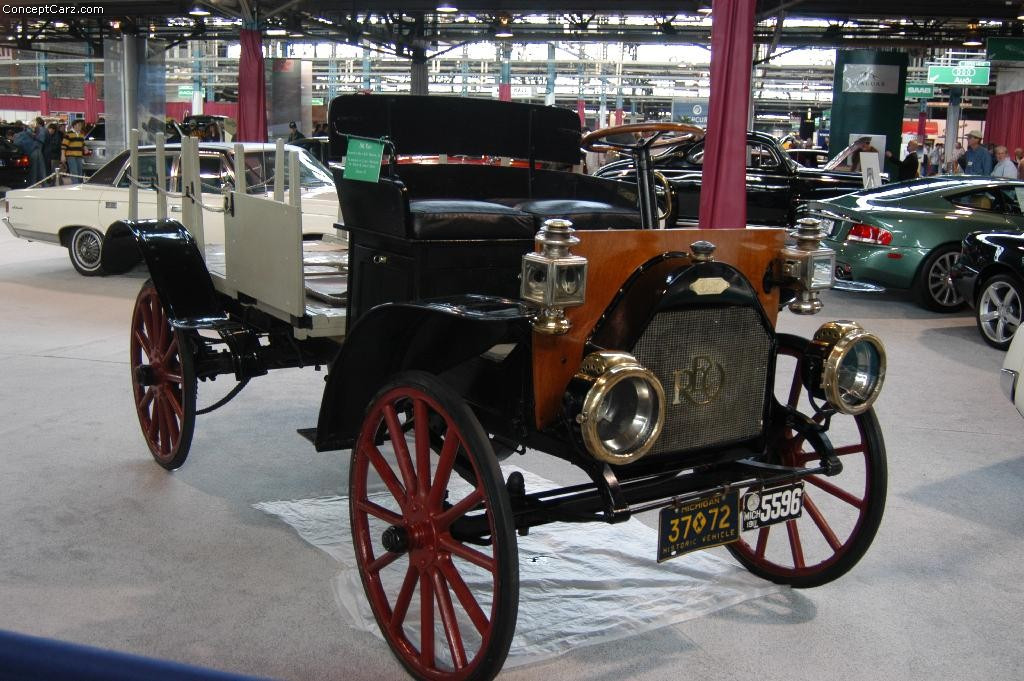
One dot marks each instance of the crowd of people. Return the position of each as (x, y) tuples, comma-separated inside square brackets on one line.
[(49, 147), (974, 159)]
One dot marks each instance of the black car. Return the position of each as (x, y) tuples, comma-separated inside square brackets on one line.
[(14, 164), (776, 184), (990, 275)]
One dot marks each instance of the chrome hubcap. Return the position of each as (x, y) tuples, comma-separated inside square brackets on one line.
[(999, 311)]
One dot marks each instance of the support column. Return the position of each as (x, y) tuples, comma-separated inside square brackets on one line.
[(420, 76), (549, 91), (366, 68), (952, 127), (44, 84), (92, 108), (581, 104), (618, 92), (464, 70), (198, 96), (332, 74), (129, 89), (505, 79)]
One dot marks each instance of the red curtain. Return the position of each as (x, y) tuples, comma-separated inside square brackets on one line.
[(1004, 122), (252, 89), (92, 103), (723, 186)]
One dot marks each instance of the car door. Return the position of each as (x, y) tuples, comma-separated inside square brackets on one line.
[(1011, 198), (768, 185)]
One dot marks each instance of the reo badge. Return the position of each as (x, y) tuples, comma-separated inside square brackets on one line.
[(700, 383), (709, 286)]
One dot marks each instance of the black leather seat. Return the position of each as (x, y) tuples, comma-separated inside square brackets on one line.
[(443, 219), (583, 214)]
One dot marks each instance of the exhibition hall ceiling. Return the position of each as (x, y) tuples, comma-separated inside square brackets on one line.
[(415, 27)]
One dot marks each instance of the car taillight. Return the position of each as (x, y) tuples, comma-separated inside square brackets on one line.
[(21, 162), (869, 234)]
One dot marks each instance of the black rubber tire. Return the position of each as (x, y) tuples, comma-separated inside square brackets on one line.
[(999, 309), (854, 536), (85, 246), (166, 407), (448, 432), (933, 289)]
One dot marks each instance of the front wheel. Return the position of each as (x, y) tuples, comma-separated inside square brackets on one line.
[(999, 310), (841, 513), (934, 287), (163, 380), (85, 246), (445, 596)]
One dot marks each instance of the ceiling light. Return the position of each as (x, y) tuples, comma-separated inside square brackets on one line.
[(503, 28), (703, 9), (446, 7), (199, 11), (972, 41), (275, 31)]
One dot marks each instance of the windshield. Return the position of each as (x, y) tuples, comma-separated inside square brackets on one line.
[(259, 171)]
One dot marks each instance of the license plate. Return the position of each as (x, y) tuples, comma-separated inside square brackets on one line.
[(770, 506), (829, 226), (700, 524), (3, 162)]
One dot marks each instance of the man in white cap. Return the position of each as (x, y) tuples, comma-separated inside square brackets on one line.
[(976, 160)]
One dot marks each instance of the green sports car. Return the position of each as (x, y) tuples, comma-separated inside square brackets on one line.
[(907, 235)]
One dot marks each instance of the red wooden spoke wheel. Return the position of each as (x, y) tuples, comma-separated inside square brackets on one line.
[(446, 600), (841, 514), (163, 380)]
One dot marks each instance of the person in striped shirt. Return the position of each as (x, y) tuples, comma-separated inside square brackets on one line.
[(72, 149)]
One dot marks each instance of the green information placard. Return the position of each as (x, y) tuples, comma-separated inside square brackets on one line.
[(1005, 49), (362, 160), (964, 73), (920, 91)]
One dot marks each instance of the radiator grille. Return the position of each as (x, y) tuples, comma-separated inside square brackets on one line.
[(713, 364)]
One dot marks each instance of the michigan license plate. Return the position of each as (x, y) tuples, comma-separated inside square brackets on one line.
[(700, 524), (828, 225), (770, 506)]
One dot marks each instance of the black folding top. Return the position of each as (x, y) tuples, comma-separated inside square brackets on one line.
[(426, 125)]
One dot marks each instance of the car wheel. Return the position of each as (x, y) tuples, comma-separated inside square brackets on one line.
[(444, 594), (85, 247), (999, 310), (934, 288)]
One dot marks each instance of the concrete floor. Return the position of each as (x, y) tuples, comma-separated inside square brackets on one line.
[(98, 545)]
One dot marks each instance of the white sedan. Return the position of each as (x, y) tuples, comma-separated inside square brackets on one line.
[(77, 216)]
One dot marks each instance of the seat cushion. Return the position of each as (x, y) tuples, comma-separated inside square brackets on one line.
[(440, 219), (583, 214)]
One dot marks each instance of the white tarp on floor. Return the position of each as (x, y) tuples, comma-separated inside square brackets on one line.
[(580, 584)]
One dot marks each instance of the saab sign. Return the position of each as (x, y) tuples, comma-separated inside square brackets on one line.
[(964, 73)]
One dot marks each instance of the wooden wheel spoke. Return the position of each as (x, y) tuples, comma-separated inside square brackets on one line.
[(794, 543), (426, 621), (851, 449), (460, 509), (466, 553), (445, 464), (835, 491), (382, 562), (379, 512), (403, 600), (465, 596), (823, 526), (174, 403), (401, 449), (142, 341), (421, 427), (147, 397), (386, 474), (762, 541), (794, 388), (448, 621), (153, 427), (171, 351)]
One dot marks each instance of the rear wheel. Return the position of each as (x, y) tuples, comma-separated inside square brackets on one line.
[(85, 247), (163, 380), (445, 601), (841, 514), (999, 310), (934, 287)]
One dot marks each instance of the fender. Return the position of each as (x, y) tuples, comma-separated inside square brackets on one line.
[(175, 265), (433, 335)]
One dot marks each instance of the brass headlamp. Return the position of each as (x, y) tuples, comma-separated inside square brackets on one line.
[(845, 365)]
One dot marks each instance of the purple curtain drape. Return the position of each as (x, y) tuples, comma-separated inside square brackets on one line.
[(252, 89), (723, 186)]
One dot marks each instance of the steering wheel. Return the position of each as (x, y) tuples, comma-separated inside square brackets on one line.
[(591, 139)]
